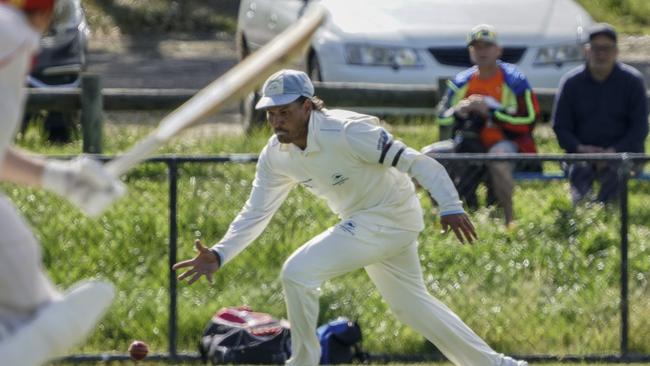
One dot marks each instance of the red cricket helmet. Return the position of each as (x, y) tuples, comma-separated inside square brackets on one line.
[(32, 5)]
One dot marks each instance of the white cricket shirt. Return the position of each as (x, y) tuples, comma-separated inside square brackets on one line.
[(355, 166), (18, 42)]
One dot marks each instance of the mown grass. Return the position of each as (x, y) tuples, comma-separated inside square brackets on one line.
[(550, 285), (629, 16), (145, 363)]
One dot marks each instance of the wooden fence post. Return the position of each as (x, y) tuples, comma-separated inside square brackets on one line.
[(445, 132), (91, 113)]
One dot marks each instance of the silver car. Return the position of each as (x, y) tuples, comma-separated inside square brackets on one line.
[(422, 41)]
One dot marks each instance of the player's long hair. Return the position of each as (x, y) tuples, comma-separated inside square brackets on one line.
[(316, 102)]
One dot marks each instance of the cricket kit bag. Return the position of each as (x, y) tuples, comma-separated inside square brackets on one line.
[(237, 335), (340, 342)]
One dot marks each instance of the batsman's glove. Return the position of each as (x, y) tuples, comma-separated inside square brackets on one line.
[(84, 182)]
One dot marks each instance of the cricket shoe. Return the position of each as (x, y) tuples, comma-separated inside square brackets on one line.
[(58, 326)]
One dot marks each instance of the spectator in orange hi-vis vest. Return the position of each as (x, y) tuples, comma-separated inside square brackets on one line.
[(490, 108)]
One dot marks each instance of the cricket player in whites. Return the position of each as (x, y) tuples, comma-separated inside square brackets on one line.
[(37, 322), (364, 174)]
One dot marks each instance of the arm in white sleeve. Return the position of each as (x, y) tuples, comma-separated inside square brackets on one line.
[(17, 44), (267, 195), (373, 144), (82, 180), (18, 167), (433, 176)]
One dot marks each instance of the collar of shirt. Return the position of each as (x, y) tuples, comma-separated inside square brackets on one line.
[(611, 75), (312, 143)]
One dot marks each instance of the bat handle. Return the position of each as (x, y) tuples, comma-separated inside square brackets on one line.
[(137, 154)]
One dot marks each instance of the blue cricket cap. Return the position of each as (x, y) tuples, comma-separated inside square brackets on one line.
[(284, 87)]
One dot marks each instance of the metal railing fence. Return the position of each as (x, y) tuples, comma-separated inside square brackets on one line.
[(624, 162)]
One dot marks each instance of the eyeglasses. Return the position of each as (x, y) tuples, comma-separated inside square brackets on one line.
[(602, 48)]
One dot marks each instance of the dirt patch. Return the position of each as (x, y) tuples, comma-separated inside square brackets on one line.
[(161, 62), (168, 62), (635, 48)]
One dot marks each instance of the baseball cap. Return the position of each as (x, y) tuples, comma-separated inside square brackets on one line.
[(284, 87), (604, 29), (482, 32)]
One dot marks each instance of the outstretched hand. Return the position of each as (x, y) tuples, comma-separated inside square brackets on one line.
[(461, 225), (205, 263)]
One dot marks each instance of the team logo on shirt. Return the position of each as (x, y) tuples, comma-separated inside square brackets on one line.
[(274, 87), (383, 140), (338, 179), (348, 226)]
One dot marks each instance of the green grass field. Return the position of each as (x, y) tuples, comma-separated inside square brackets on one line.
[(549, 286), (390, 364), (629, 16)]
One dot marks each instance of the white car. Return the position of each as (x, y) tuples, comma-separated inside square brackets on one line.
[(418, 42)]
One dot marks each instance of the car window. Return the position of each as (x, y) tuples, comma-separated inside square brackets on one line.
[(67, 15)]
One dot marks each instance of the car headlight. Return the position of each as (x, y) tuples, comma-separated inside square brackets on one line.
[(559, 54), (360, 54)]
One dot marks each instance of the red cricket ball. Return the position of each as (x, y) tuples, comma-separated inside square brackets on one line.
[(138, 350)]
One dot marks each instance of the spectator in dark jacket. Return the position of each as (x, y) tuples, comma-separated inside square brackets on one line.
[(600, 107)]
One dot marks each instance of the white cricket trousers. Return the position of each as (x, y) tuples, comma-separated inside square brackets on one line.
[(24, 286), (390, 258)]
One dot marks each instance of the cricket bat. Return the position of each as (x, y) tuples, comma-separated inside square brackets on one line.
[(242, 79)]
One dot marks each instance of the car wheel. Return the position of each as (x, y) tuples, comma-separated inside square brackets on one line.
[(250, 117), (313, 67)]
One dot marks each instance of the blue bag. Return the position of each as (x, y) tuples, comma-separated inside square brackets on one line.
[(340, 342)]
